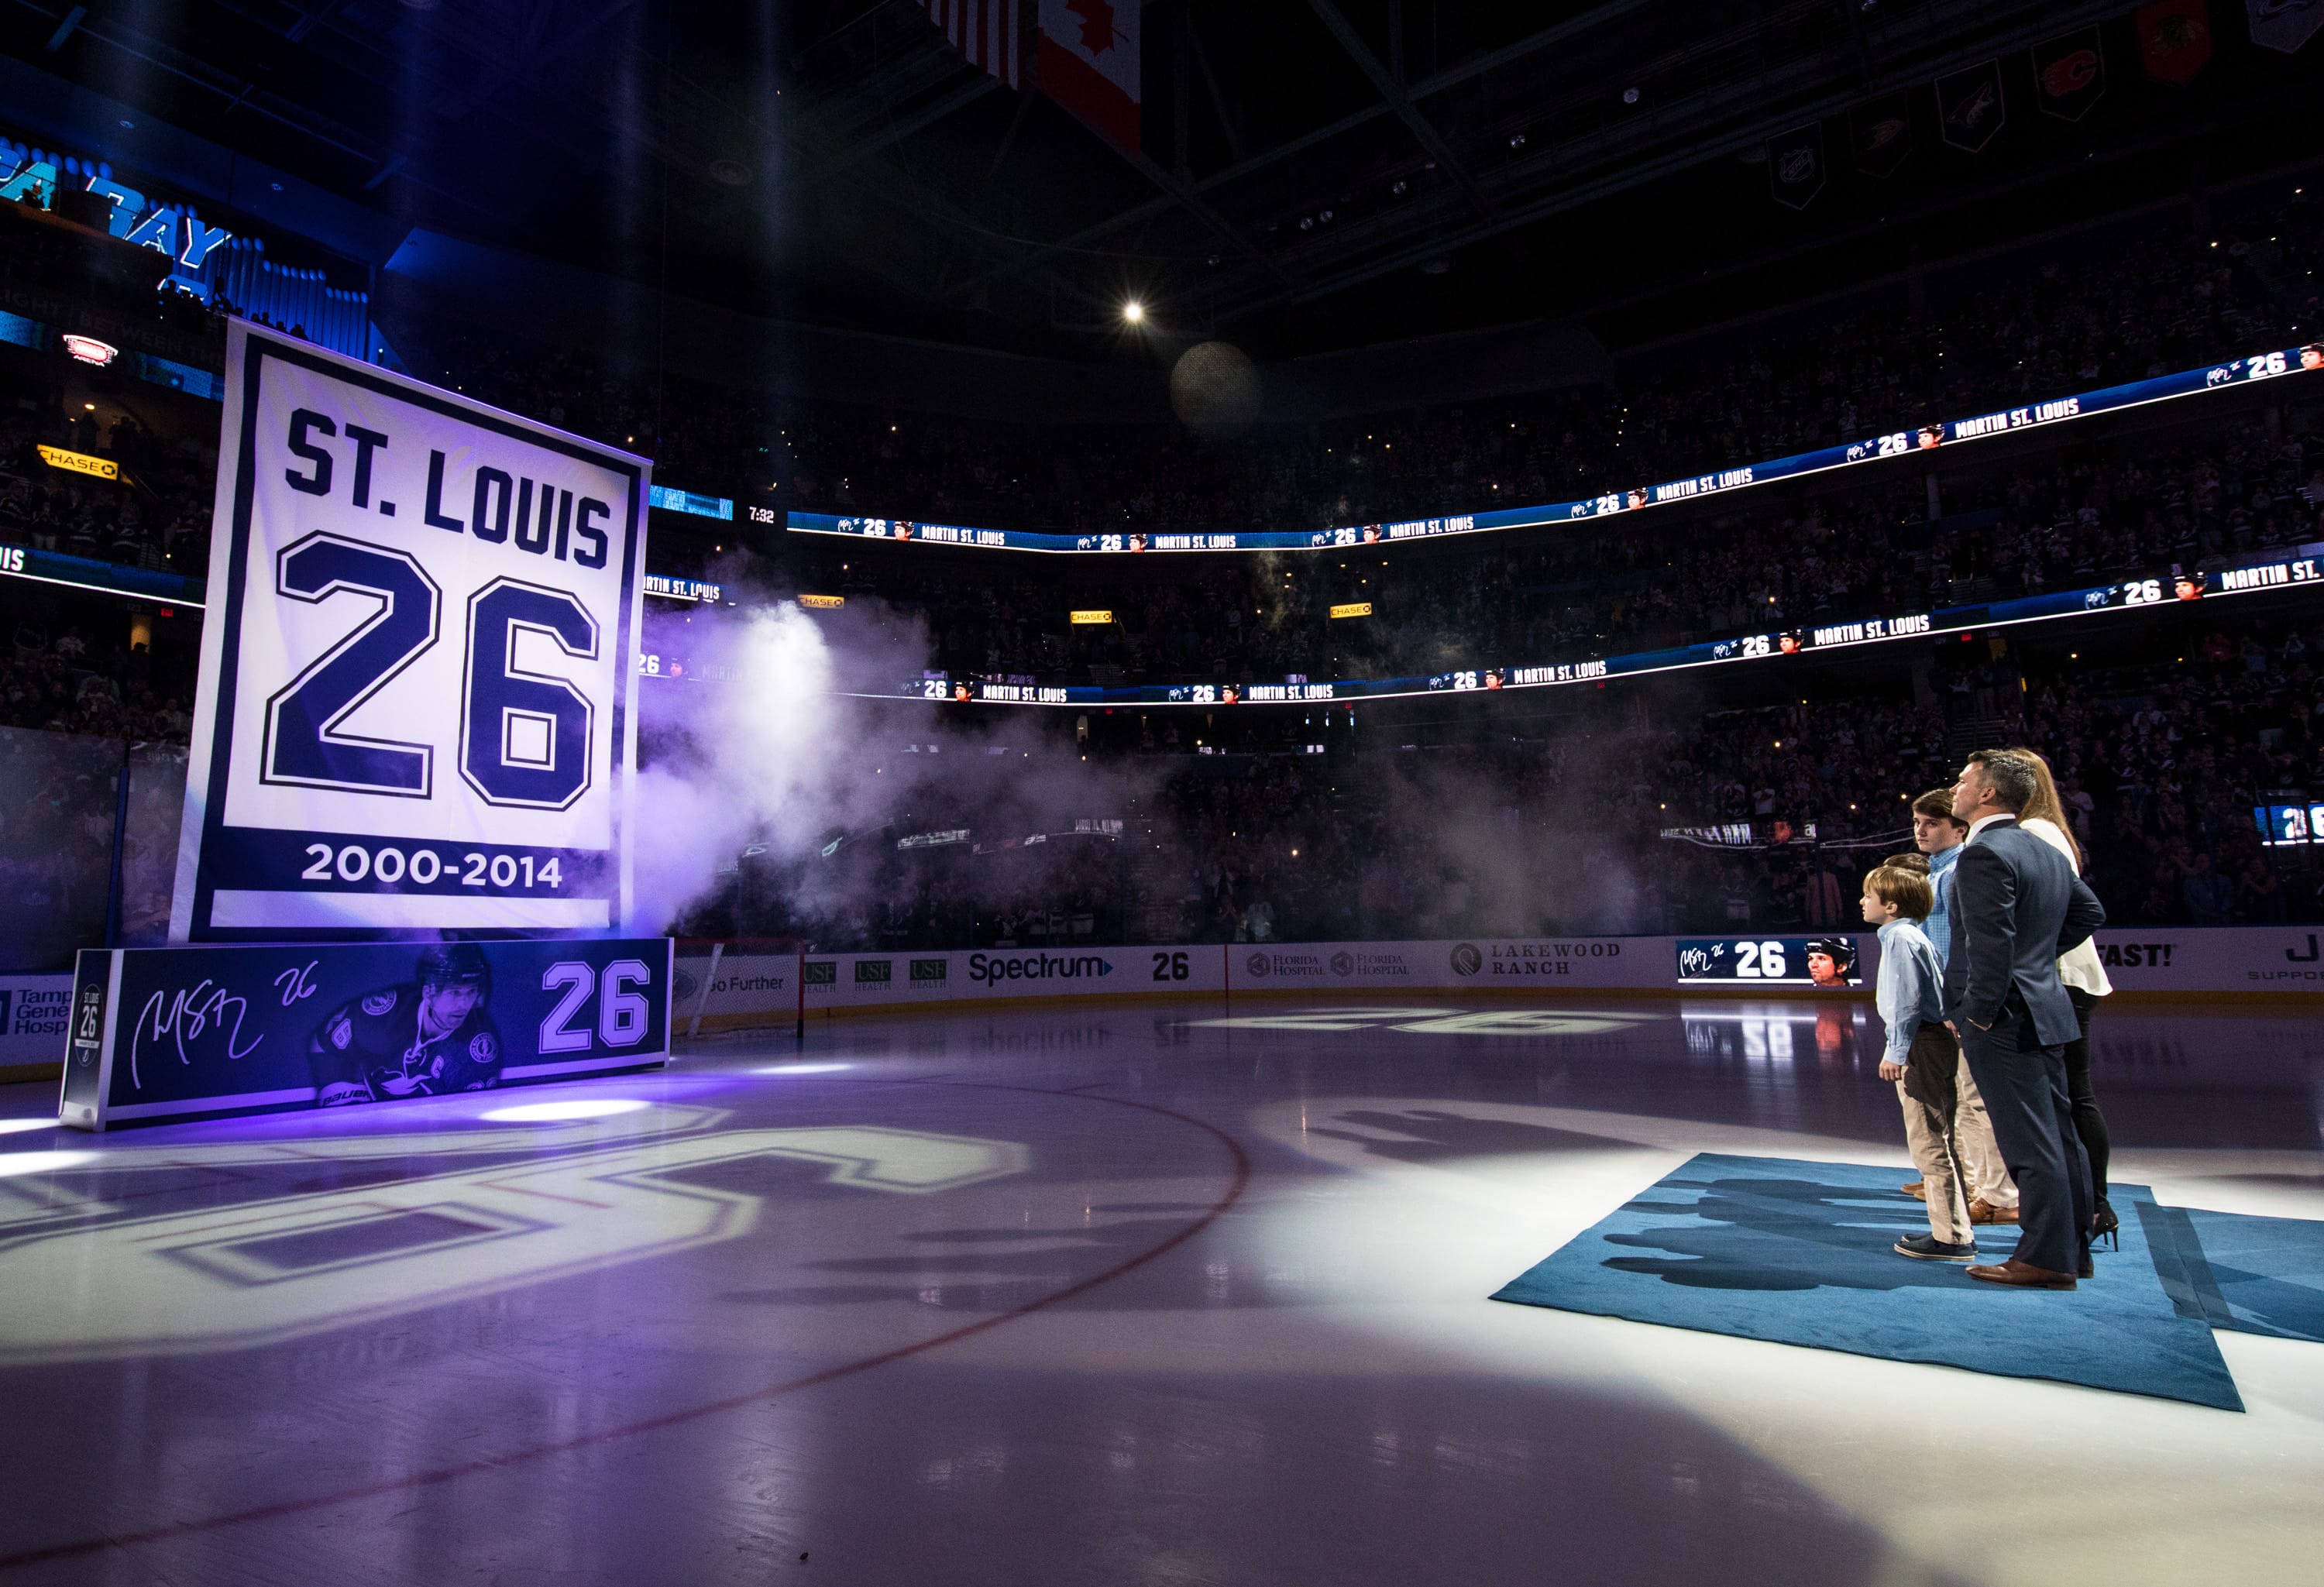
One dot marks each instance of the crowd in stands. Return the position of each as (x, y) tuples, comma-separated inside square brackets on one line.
[(57, 822), (1622, 820), (2068, 519), (62, 683), (2161, 763), (2163, 766), (154, 514)]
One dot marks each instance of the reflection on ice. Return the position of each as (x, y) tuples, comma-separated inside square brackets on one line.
[(1553, 1021)]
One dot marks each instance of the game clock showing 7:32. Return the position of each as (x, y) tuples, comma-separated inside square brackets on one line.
[(1768, 961)]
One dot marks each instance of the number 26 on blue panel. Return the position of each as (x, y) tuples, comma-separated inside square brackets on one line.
[(524, 736), (625, 1018)]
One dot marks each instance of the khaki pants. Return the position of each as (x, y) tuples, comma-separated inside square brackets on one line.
[(1925, 1138), (1973, 1143), (1927, 1094)]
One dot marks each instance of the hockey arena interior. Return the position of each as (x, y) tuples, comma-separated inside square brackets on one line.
[(1071, 792)]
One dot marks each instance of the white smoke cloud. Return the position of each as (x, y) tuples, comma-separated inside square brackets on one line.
[(776, 757), (760, 751)]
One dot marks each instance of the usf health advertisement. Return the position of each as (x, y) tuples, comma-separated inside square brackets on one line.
[(416, 711), (172, 1033)]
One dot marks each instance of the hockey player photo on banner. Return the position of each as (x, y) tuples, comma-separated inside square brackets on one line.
[(416, 710), (163, 1034)]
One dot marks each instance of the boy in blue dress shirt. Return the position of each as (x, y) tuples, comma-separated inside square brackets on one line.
[(1919, 1057)]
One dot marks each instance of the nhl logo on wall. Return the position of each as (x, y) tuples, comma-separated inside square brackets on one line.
[(1467, 960), (1796, 170)]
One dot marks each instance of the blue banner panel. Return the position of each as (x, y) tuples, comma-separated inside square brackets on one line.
[(670, 499), (1744, 962), (161, 1034)]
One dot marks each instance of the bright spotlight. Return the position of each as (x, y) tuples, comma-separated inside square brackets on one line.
[(18, 1126), (1133, 312), (557, 1112), (801, 1068), (42, 1162)]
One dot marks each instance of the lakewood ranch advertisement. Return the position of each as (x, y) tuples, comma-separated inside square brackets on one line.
[(1482, 963)]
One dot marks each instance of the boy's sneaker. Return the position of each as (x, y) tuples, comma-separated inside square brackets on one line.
[(1928, 1247)]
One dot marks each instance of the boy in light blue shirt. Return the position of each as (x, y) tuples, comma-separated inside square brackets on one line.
[(1920, 1056), (1937, 835)]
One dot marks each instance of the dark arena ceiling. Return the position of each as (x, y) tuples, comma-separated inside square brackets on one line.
[(1315, 173)]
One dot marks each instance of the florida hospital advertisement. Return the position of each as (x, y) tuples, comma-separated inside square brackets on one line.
[(415, 724)]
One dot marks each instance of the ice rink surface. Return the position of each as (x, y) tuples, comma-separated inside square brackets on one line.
[(1169, 1294)]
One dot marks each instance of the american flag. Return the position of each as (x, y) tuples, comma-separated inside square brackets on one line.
[(985, 31)]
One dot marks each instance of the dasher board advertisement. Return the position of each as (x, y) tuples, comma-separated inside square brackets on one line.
[(164, 1034), (416, 711)]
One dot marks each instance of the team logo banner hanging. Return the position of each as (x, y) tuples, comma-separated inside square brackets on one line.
[(415, 710), (2174, 38), (1881, 134), (1795, 168), (1969, 106), (2070, 73), (2284, 24)]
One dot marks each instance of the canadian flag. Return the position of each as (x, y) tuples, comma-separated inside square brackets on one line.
[(1087, 61)]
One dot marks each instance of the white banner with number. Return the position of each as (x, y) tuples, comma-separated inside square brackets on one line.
[(415, 711)]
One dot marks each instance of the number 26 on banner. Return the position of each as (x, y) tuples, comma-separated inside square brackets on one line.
[(524, 736)]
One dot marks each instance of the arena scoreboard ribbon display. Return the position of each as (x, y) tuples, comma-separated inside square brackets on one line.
[(416, 711), (2174, 585), (1902, 443)]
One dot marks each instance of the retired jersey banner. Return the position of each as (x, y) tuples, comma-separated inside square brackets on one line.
[(159, 1033), (416, 711)]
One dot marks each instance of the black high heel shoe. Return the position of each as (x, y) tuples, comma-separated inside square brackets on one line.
[(2106, 1226)]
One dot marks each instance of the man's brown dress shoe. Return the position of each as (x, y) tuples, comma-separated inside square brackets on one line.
[(2022, 1276), (1918, 1190), (1982, 1211)]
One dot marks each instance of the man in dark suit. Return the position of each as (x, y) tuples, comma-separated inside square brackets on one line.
[(2016, 906)]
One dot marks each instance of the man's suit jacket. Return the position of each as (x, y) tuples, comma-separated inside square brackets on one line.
[(2016, 906)]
